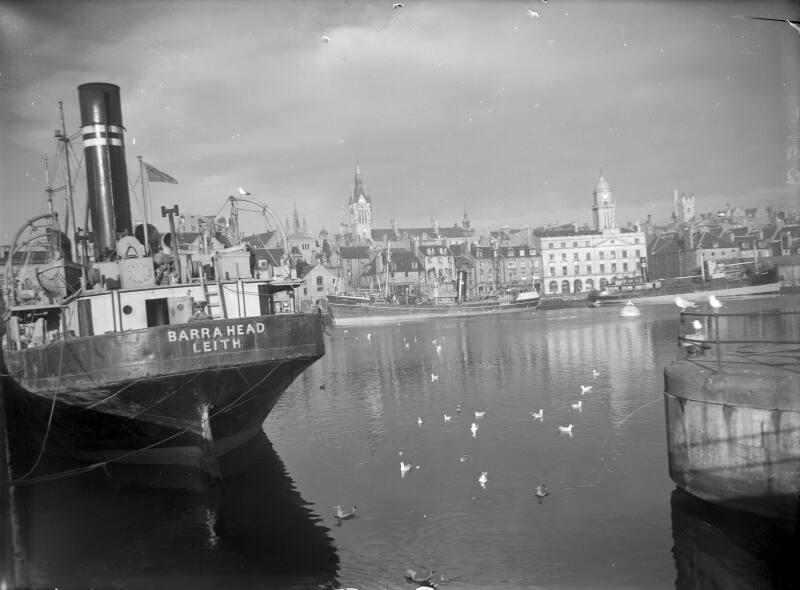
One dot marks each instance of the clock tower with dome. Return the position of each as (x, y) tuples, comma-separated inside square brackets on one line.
[(603, 206)]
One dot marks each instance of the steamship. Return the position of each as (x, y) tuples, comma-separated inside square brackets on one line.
[(118, 348)]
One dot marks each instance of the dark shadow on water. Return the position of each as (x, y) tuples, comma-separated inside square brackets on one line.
[(160, 527), (717, 547)]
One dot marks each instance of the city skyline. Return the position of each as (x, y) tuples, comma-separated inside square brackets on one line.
[(448, 107)]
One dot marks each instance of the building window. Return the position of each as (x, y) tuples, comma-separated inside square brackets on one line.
[(624, 253), (563, 256), (587, 244), (552, 271), (636, 240), (588, 269), (522, 252), (563, 244), (320, 286), (638, 253), (574, 244), (577, 270), (552, 257), (576, 256), (602, 268), (564, 271), (550, 245), (613, 267), (602, 256), (552, 287), (588, 256), (613, 254), (624, 267)]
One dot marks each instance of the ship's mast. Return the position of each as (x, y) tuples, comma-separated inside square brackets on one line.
[(49, 190), (72, 232)]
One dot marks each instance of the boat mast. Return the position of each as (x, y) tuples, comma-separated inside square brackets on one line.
[(388, 264), (62, 137), (49, 190), (145, 199)]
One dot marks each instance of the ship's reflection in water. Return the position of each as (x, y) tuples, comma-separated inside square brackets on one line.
[(715, 547), (140, 527)]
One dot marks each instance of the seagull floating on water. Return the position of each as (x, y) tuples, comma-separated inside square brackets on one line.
[(397, 5), (458, 408), (577, 406), (434, 377), (715, 303), (326, 39), (480, 413), (465, 458), (585, 389), (419, 420), (369, 336), (407, 345), (538, 415), (342, 515), (438, 348), (596, 373), (541, 492), (404, 468), (483, 479), (474, 428), (532, 13), (446, 417), (566, 429), (683, 303)]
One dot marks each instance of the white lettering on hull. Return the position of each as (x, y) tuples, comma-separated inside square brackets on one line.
[(216, 339)]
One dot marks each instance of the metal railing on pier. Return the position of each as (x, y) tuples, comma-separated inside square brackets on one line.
[(736, 341)]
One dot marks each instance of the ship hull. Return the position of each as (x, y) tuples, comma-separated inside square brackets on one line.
[(355, 314), (667, 295), (179, 394)]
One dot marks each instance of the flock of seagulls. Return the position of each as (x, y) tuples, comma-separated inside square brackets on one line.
[(713, 302), (405, 467)]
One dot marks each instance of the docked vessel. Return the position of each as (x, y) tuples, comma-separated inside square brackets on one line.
[(733, 413), (656, 293), (355, 311), (124, 350)]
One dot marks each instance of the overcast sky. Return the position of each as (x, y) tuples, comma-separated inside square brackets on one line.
[(447, 106)]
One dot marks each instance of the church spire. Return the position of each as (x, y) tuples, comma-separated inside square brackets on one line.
[(359, 185)]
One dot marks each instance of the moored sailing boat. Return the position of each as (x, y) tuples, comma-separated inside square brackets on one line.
[(135, 353), (355, 311)]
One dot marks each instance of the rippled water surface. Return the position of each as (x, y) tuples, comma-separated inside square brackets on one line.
[(337, 437)]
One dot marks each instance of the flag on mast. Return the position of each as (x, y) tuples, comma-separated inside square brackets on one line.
[(155, 175)]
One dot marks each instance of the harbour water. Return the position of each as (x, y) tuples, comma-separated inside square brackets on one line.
[(613, 518)]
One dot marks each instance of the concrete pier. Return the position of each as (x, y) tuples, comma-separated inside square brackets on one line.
[(733, 435)]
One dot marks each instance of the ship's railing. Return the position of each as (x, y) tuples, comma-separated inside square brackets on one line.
[(730, 341)]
